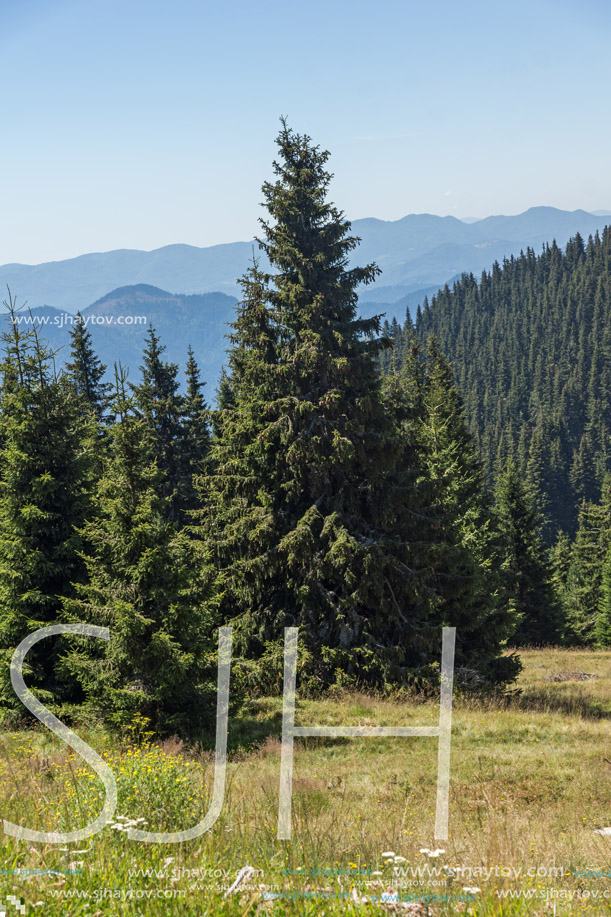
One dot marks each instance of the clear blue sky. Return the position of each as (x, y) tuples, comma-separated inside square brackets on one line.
[(137, 123)]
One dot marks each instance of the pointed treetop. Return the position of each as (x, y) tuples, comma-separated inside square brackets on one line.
[(85, 370)]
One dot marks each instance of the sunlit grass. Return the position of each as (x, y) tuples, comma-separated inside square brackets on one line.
[(530, 781)]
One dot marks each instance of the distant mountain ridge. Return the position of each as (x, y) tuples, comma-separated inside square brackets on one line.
[(417, 252), (200, 320)]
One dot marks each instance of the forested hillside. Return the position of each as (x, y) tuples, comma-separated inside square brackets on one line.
[(530, 343)]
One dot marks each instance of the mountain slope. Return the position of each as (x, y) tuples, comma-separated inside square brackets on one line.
[(531, 347)]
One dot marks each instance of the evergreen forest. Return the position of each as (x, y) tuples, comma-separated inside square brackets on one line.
[(366, 482)]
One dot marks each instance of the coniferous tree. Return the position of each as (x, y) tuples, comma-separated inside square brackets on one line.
[(152, 586), (560, 559), (317, 503), (584, 585), (295, 456), (177, 426), (86, 371), (159, 403), (195, 435), (46, 456), (466, 543), (603, 619), (527, 570)]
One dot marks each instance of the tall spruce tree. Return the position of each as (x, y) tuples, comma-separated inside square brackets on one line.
[(195, 436), (152, 586), (560, 558), (314, 501), (587, 580), (527, 568), (158, 402), (585, 575), (86, 370), (603, 619), (467, 547), (46, 454)]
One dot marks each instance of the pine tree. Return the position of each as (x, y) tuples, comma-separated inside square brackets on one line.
[(46, 455), (152, 586), (296, 445), (527, 569)]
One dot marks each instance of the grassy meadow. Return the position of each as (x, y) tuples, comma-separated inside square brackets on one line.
[(530, 781)]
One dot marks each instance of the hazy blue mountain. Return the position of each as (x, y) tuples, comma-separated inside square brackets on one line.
[(75, 283), (417, 252), (200, 320)]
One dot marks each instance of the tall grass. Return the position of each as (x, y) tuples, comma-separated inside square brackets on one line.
[(530, 781)]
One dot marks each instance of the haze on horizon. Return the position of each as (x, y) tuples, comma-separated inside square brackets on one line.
[(144, 124)]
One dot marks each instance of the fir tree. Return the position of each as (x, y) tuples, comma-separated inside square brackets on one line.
[(560, 558), (603, 619)]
